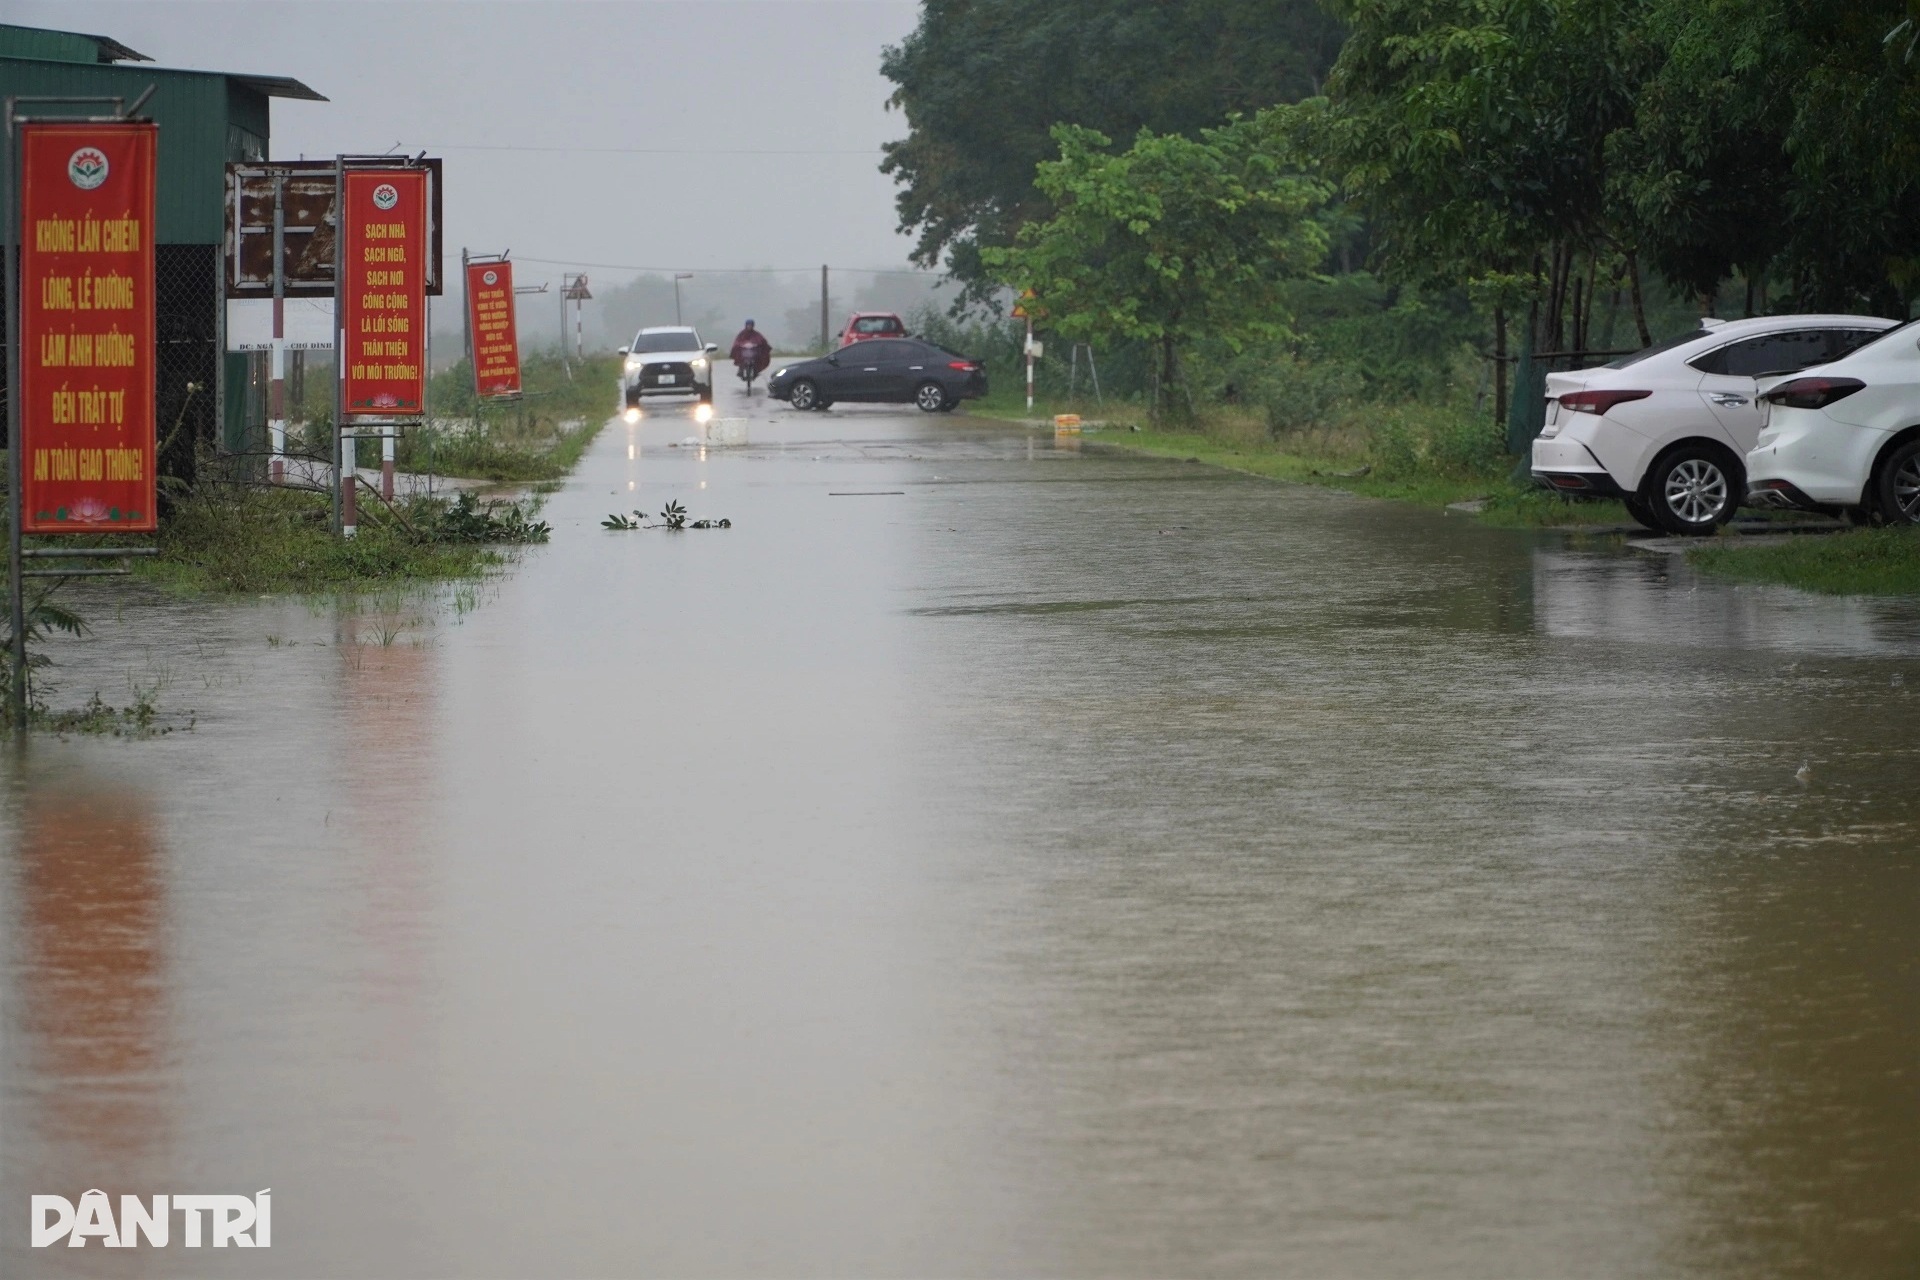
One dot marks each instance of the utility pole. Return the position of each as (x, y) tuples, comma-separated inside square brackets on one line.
[(277, 361), (678, 276), (825, 340)]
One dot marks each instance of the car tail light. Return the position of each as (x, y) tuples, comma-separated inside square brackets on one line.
[(1598, 401), (1813, 393), (964, 366)]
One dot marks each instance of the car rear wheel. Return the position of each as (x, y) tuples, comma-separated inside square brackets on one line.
[(1692, 490), (1641, 513), (931, 397), (1897, 487), (804, 395)]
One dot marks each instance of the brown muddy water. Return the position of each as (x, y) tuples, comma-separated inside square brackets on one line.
[(1069, 864)]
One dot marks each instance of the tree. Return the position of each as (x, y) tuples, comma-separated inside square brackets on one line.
[(1173, 241), (1775, 142), (983, 82), (1474, 135)]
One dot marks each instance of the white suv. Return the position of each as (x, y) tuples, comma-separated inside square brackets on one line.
[(1845, 436), (1666, 430), (669, 360)]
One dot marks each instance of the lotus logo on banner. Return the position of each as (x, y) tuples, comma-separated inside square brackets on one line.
[(87, 167), (385, 196)]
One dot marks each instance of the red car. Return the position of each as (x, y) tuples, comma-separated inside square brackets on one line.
[(865, 326)]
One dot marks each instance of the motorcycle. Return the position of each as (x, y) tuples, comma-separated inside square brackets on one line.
[(750, 362)]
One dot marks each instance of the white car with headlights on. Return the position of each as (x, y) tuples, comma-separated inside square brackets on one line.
[(669, 360), (1845, 436), (1666, 430)]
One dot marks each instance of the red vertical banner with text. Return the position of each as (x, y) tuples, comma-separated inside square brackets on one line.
[(496, 343), (86, 327), (383, 291)]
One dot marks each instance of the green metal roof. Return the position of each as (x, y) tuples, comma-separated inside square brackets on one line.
[(63, 46)]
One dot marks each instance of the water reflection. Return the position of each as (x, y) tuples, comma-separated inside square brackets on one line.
[(1658, 599), (91, 951)]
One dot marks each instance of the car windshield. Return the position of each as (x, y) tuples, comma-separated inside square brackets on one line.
[(1654, 350), (666, 340), (877, 324)]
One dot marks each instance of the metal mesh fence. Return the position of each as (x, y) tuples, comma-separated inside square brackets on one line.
[(187, 342)]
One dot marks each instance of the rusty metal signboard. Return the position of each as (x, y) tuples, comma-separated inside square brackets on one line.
[(87, 327), (490, 321), (383, 299), (296, 198)]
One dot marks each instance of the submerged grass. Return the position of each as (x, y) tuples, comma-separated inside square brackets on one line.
[(280, 540), (536, 439), (1864, 562)]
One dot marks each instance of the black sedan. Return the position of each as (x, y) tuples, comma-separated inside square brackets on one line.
[(883, 371)]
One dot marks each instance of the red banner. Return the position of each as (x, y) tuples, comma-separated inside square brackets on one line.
[(86, 327), (496, 344), (383, 268)]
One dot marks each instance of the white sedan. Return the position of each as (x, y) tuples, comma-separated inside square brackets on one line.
[(1666, 430), (1847, 436)]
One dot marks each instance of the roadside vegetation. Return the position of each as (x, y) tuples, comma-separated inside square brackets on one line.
[(534, 440), (1354, 238)]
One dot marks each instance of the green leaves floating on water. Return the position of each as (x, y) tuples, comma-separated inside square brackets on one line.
[(673, 519)]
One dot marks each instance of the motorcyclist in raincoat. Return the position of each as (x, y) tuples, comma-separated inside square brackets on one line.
[(752, 353)]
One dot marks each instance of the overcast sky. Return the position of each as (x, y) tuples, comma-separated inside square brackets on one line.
[(541, 109)]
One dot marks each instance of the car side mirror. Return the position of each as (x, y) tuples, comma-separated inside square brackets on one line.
[(712, 347), (626, 351), (833, 360)]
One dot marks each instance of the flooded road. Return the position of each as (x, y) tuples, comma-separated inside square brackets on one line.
[(984, 859)]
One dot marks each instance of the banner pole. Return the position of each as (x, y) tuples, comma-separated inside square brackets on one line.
[(16, 473), (339, 333)]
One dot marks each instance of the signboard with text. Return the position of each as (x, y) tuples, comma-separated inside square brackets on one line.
[(383, 297), (496, 344), (86, 327)]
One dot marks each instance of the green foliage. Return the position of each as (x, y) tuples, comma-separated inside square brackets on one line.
[(44, 619), (1171, 242), (673, 518), (983, 82), (255, 540), (465, 520)]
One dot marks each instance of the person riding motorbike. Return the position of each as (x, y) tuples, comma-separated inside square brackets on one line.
[(752, 353)]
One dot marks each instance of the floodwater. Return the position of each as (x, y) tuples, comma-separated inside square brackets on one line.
[(985, 858)]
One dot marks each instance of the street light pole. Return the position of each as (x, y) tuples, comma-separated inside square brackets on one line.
[(678, 276)]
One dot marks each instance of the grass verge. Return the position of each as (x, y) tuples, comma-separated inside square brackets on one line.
[(262, 541), (536, 439), (1859, 562), (1404, 454)]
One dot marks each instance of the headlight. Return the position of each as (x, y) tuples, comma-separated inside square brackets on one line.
[(633, 364), (699, 362)]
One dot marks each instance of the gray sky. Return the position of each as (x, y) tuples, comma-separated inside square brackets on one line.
[(703, 78)]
